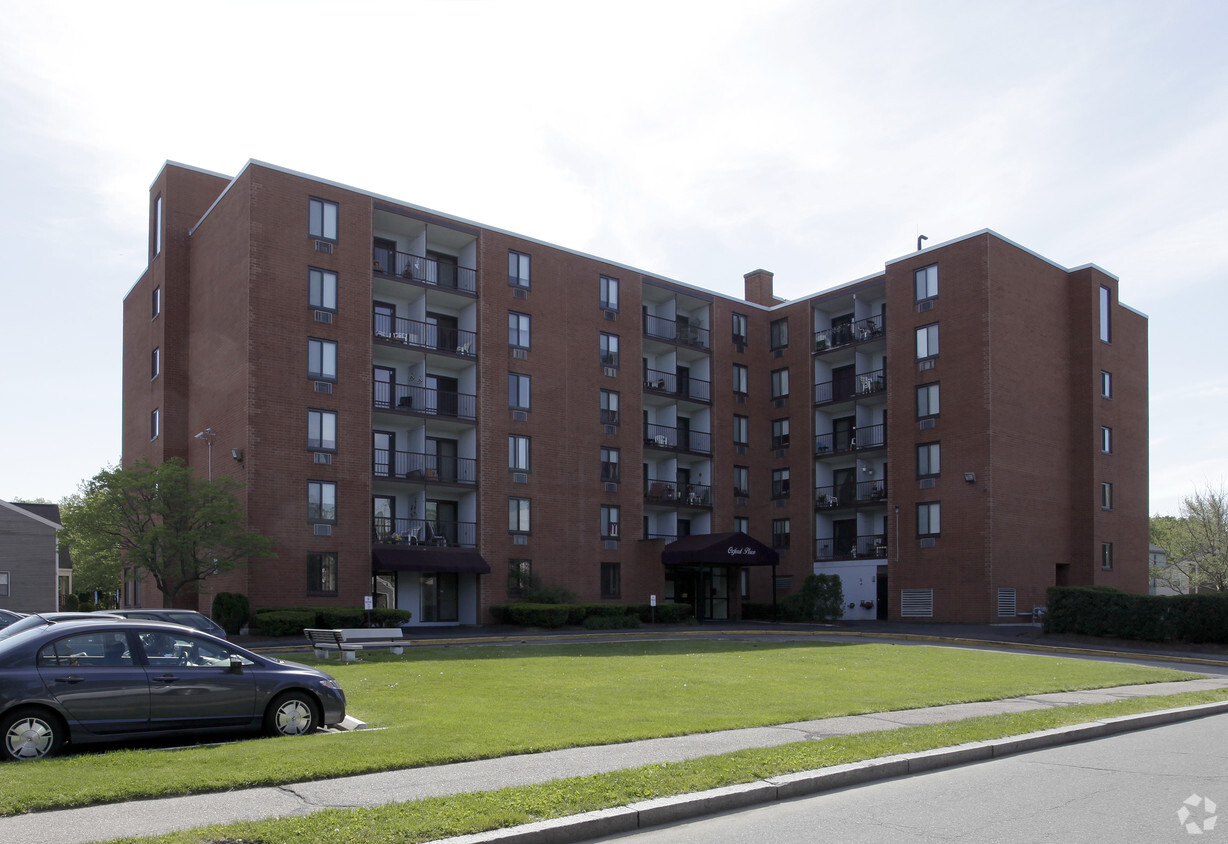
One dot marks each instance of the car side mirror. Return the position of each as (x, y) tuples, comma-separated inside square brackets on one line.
[(236, 664)]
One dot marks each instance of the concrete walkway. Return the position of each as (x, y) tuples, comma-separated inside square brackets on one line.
[(152, 817)]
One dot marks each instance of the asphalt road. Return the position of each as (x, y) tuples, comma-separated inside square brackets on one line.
[(1126, 788)]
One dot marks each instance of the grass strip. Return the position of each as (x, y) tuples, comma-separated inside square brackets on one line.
[(442, 817)]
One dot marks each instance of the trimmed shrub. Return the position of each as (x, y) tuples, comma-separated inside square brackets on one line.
[(230, 611), (284, 622), (821, 599), (330, 617), (665, 613), (1099, 611), (387, 617), (532, 615), (72, 603), (611, 622)]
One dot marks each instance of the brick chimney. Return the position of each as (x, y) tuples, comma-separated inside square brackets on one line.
[(759, 288)]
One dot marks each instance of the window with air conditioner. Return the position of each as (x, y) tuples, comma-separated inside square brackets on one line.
[(518, 330), (609, 407), (609, 349), (517, 453), (322, 289), (321, 501), (929, 460), (518, 269), (610, 521), (929, 519), (927, 401), (517, 391), (609, 465), (925, 282), (609, 293), (322, 219), (322, 430), (927, 341), (321, 359)]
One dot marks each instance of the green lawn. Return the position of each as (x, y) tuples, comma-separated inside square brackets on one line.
[(448, 704)]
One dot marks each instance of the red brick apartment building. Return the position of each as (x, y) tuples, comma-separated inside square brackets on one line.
[(429, 411)]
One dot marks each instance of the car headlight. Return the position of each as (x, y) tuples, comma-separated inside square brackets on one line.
[(330, 683)]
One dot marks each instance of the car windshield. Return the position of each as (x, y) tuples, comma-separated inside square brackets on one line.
[(32, 622)]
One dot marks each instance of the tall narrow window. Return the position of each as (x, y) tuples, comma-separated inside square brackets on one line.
[(517, 453), (322, 574), (927, 400), (1106, 440), (741, 524), (517, 268), (321, 359), (518, 330), (741, 481), (321, 289), (609, 349), (155, 427), (609, 293), (609, 465), (519, 577), (740, 379), (322, 430), (739, 329), (925, 281), (928, 463), (609, 407), (156, 302), (780, 483), (1106, 496), (929, 519), (781, 531), (322, 219), (4, 584), (780, 383), (518, 515), (1106, 555), (611, 580), (927, 341), (155, 364), (518, 391), (780, 433), (741, 430), (610, 520), (779, 333), (1106, 384), (157, 250), (321, 501), (1106, 325)]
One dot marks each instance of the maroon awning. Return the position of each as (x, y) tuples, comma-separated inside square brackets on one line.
[(718, 549), (429, 558)]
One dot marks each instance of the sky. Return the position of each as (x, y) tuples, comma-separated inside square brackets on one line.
[(694, 140)]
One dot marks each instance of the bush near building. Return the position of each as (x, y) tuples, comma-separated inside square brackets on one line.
[(1101, 611)]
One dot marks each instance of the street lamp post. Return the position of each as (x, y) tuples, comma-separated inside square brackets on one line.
[(208, 436)]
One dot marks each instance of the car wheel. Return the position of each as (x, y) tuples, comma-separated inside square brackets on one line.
[(30, 734), (291, 714)]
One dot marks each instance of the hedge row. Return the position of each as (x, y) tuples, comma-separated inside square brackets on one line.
[(290, 622), (592, 616), (1096, 611)]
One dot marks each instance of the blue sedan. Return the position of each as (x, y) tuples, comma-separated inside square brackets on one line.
[(82, 682)]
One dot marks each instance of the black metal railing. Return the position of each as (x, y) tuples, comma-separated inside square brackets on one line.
[(674, 384), (678, 330), (663, 436), (420, 466), (869, 546), (669, 491), (424, 335), (849, 332), (426, 400), (432, 532), (858, 439), (849, 493), (850, 387), (424, 270)]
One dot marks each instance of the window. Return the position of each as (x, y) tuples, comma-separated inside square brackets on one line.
[(154, 427), (156, 302), (610, 517), (321, 501), (519, 577), (740, 379), (1106, 384), (928, 462), (322, 219), (609, 349), (518, 330), (321, 359), (1106, 496), (929, 519), (88, 650), (741, 427), (517, 269), (609, 407), (322, 574), (4, 584), (609, 465), (741, 524), (779, 333), (155, 364), (609, 293), (927, 400), (780, 433), (611, 580), (780, 533), (925, 281), (517, 453), (780, 483), (739, 329), (741, 481), (157, 245), (322, 429), (1106, 555), (1106, 440), (927, 341), (518, 391), (518, 515), (780, 383), (322, 289), (1106, 327)]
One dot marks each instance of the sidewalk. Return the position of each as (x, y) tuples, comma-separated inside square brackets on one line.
[(153, 817)]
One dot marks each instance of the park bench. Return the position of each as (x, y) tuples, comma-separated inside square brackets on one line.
[(348, 641)]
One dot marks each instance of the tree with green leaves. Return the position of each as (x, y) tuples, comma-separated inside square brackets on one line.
[(161, 520), (1196, 543)]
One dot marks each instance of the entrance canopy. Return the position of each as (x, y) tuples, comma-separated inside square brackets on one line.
[(430, 558), (718, 549)]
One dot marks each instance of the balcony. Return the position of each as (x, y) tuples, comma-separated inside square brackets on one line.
[(845, 389), (419, 466), (868, 547), (670, 384), (864, 438), (677, 439), (424, 270), (849, 495), (860, 331), (385, 531), (679, 331), (428, 401), (424, 335), (669, 491)]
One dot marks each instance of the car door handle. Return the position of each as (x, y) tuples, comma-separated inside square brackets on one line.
[(71, 678), (166, 678)]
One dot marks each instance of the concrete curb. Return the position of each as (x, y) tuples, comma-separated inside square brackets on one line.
[(666, 810)]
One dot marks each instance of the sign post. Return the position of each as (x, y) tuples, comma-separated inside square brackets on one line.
[(652, 602)]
